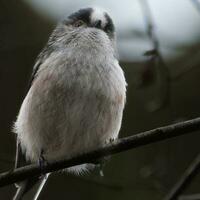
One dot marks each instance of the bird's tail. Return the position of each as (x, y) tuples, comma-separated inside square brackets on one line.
[(42, 183), (25, 186), (20, 191)]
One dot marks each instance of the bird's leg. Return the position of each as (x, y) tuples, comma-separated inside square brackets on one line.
[(101, 165), (102, 162), (42, 162)]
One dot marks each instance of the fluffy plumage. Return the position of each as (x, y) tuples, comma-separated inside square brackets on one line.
[(77, 91)]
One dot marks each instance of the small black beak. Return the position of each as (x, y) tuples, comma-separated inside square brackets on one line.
[(97, 24)]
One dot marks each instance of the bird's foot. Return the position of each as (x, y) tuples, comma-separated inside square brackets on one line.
[(100, 163), (111, 140), (42, 163), (101, 172)]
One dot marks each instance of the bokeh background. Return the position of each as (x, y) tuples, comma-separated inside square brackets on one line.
[(163, 88)]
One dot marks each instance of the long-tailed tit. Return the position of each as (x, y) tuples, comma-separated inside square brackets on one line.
[(76, 96)]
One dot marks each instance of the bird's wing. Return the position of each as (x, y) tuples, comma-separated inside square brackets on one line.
[(24, 186), (20, 159), (45, 53), (34, 72)]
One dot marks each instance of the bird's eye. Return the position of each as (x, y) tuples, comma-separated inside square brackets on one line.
[(79, 23)]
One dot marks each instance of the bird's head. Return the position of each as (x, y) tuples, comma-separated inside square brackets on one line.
[(87, 24), (95, 18)]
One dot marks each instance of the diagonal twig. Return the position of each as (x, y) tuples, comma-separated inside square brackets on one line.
[(185, 180), (163, 76), (120, 145)]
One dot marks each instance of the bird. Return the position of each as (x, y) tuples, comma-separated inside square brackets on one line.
[(76, 95)]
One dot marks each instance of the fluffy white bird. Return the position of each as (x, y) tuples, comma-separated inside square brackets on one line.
[(77, 94)]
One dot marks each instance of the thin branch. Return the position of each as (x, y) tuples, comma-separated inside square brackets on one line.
[(149, 22), (161, 67), (185, 180), (120, 145)]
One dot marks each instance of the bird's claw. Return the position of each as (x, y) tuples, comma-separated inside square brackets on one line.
[(42, 163)]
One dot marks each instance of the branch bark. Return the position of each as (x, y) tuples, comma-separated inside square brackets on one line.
[(120, 145)]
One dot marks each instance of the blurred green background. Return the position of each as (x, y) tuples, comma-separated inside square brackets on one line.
[(146, 173)]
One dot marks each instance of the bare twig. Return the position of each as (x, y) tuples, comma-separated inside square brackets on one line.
[(120, 145), (185, 180), (161, 68)]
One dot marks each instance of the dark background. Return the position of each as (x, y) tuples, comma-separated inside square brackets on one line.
[(140, 174)]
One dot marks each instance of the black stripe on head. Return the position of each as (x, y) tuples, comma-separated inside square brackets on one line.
[(82, 14), (109, 28)]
